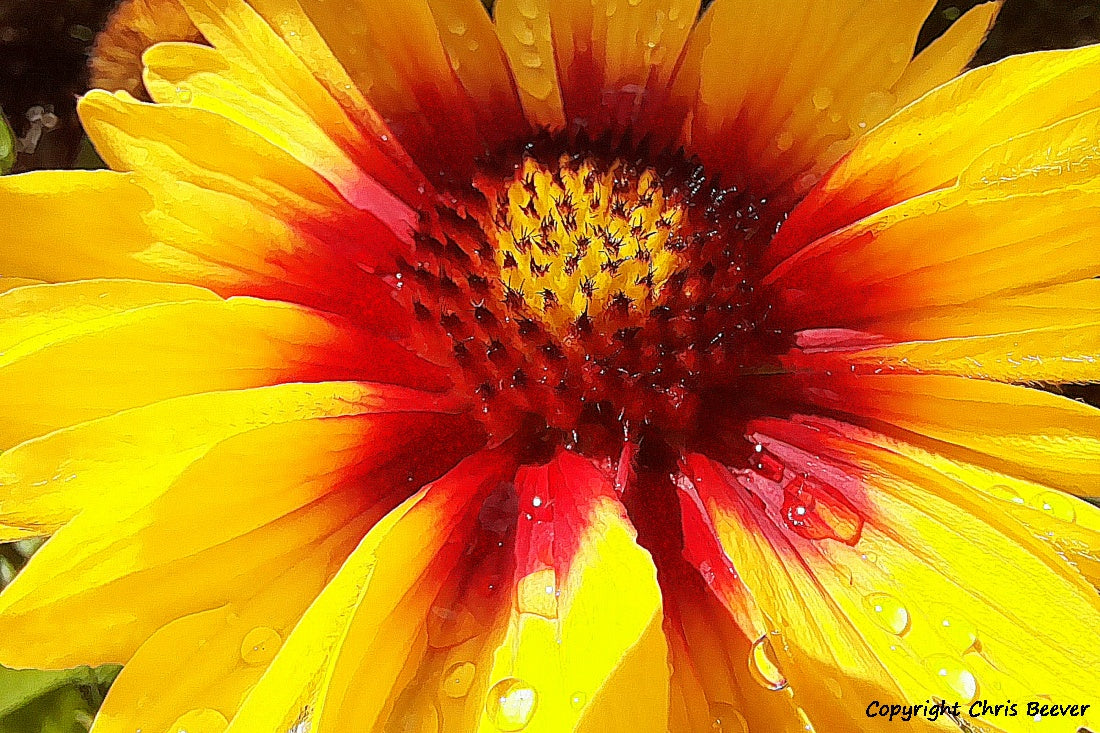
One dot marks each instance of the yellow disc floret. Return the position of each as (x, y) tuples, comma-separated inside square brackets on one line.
[(583, 238)]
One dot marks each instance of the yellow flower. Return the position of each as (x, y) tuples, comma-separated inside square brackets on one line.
[(592, 367)]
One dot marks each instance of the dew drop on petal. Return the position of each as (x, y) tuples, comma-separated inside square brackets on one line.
[(727, 719), (887, 612), (184, 95), (202, 720), (822, 98), (528, 8), (449, 627), (577, 700), (457, 681), (1056, 504), (511, 704), (260, 646), (764, 666), (804, 721), (954, 676), (959, 633)]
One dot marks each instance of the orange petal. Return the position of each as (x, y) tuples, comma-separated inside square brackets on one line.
[(523, 27)]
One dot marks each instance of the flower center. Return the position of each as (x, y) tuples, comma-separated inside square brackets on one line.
[(578, 240), (589, 290)]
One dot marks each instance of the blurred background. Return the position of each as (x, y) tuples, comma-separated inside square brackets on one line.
[(44, 51)]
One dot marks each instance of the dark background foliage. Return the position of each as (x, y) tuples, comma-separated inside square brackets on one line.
[(44, 46)]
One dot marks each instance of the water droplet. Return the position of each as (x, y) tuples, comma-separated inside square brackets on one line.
[(959, 633), (457, 681), (784, 141), (449, 627), (804, 721), (822, 98), (457, 26), (577, 700), (727, 719), (536, 593), (764, 666), (531, 59), (511, 704), (954, 676), (260, 645), (528, 8), (203, 720), (184, 95), (1056, 504), (524, 33), (816, 511), (887, 612)]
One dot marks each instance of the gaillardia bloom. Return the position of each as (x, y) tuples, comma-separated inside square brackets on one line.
[(594, 366)]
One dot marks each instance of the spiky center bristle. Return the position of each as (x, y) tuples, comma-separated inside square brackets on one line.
[(577, 240), (587, 291)]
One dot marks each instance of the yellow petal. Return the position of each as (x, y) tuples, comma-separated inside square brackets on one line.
[(393, 54), (1071, 526), (376, 606), (173, 142), (90, 368), (1062, 353), (1019, 431), (947, 56), (1066, 304), (613, 64), (523, 27), (139, 453), (1019, 218), (917, 604), (713, 689), (252, 502), (203, 78), (208, 660), (774, 106), (927, 145), (286, 86), (584, 648)]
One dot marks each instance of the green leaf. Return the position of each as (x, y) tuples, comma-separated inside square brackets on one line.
[(37, 701), (64, 710), (7, 145), (21, 687)]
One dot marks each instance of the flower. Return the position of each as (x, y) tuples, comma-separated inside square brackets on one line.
[(593, 367)]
